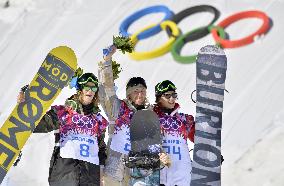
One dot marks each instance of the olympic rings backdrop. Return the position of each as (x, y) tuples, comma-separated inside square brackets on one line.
[(253, 109), (178, 38)]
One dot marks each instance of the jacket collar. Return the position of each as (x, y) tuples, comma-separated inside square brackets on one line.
[(158, 109)]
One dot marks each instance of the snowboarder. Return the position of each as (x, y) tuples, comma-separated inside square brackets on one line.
[(176, 128), (79, 131), (120, 113)]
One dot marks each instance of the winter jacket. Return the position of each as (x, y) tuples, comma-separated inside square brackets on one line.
[(119, 113), (176, 128), (64, 119)]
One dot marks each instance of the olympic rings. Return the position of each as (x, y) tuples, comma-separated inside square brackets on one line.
[(192, 10), (181, 41), (169, 123), (159, 51), (151, 31), (194, 34), (177, 40), (246, 40), (82, 121)]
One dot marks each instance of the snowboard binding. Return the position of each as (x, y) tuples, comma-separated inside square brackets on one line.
[(143, 160)]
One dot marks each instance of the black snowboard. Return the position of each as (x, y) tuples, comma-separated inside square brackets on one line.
[(145, 139), (211, 66)]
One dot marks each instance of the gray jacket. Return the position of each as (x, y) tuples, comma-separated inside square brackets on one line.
[(110, 103), (112, 106)]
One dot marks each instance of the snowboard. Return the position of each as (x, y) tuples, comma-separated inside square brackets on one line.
[(145, 140), (211, 66), (53, 75)]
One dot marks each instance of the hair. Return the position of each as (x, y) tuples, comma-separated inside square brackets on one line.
[(157, 98)]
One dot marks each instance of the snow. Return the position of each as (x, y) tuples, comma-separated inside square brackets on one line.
[(253, 117)]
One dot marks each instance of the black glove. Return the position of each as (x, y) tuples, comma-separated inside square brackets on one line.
[(24, 88), (18, 159)]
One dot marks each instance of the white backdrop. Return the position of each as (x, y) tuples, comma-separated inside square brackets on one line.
[(253, 116)]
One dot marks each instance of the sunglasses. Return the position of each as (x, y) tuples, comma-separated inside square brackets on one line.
[(93, 88), (168, 96)]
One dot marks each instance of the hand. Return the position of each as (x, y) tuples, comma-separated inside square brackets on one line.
[(21, 97), (165, 159), (108, 52)]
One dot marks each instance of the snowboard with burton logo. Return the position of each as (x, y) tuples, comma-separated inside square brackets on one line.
[(211, 66)]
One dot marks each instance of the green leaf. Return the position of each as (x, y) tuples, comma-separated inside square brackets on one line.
[(78, 72), (116, 69), (122, 43)]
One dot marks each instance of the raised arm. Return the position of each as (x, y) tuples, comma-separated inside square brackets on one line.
[(108, 98)]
